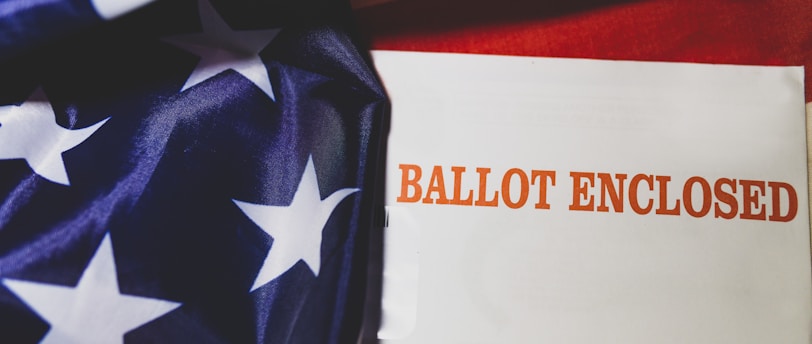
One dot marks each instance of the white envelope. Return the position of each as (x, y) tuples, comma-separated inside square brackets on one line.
[(546, 207)]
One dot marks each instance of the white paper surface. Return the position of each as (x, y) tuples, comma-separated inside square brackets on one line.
[(484, 274)]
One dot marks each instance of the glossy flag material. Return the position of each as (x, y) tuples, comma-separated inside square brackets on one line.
[(777, 32), (184, 172)]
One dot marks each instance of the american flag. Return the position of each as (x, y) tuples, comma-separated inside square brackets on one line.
[(184, 172)]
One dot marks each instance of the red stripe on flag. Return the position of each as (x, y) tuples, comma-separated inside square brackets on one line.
[(775, 32)]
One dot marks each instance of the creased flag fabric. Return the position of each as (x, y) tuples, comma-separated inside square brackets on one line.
[(184, 172), (777, 32)]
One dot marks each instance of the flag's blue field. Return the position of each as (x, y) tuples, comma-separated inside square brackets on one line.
[(184, 172)]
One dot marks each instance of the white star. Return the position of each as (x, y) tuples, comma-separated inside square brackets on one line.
[(220, 48), (94, 311), (110, 9), (296, 229), (29, 131)]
